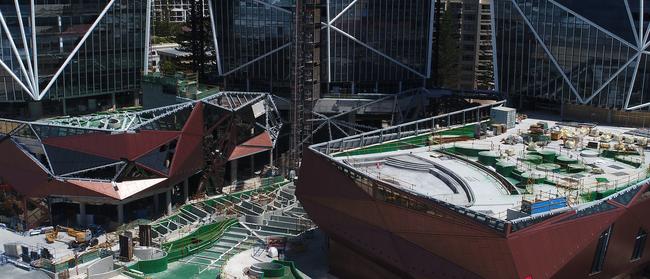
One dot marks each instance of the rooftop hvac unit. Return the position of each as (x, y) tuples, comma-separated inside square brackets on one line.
[(12, 249)]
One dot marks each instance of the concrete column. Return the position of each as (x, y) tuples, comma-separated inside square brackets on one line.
[(82, 213), (65, 106), (114, 102), (120, 214), (233, 171), (168, 201), (186, 190), (271, 157), (136, 99)]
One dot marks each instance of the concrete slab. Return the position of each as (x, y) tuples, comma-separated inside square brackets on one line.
[(490, 196)]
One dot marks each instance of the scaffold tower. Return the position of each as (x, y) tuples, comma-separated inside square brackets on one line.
[(306, 83)]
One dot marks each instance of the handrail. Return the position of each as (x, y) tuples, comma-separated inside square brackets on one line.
[(380, 132), (500, 178)]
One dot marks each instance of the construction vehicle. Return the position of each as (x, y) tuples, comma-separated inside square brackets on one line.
[(80, 236)]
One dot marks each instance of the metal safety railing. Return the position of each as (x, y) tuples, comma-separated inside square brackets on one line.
[(427, 125)]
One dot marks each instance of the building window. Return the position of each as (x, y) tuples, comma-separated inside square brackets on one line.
[(639, 244), (601, 251)]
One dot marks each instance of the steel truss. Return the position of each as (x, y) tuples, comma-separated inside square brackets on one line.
[(231, 102)]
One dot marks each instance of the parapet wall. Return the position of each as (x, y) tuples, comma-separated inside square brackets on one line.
[(103, 269), (606, 116)]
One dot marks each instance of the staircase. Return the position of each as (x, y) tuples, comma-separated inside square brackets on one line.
[(408, 164), (235, 240), (271, 210)]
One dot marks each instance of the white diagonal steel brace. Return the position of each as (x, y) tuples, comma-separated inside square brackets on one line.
[(629, 16), (214, 37), (645, 46), (329, 39), (147, 35), (21, 26), (342, 11), (273, 6), (40, 140), (636, 69), (13, 75), (602, 86), (34, 45), (377, 51), (638, 107), (601, 29), (119, 163), (29, 155), (641, 14), (257, 59), (644, 40), (76, 49), (548, 52), (339, 127), (645, 37), (15, 51)]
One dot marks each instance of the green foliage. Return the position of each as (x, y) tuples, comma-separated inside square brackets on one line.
[(168, 67), (162, 40), (162, 27), (9, 205), (195, 38)]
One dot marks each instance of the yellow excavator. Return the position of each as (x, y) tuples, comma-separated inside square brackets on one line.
[(79, 236)]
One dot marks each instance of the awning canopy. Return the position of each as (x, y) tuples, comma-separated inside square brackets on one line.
[(257, 144)]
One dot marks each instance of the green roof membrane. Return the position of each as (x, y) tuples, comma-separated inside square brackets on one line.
[(564, 160), (548, 167)]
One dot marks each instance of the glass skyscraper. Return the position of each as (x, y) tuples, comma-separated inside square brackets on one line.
[(592, 53), (364, 42), (58, 49), (253, 39), (378, 40)]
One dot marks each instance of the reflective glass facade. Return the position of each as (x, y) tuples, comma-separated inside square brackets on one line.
[(362, 41), (77, 48), (580, 52), (254, 38), (379, 40), (174, 10)]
